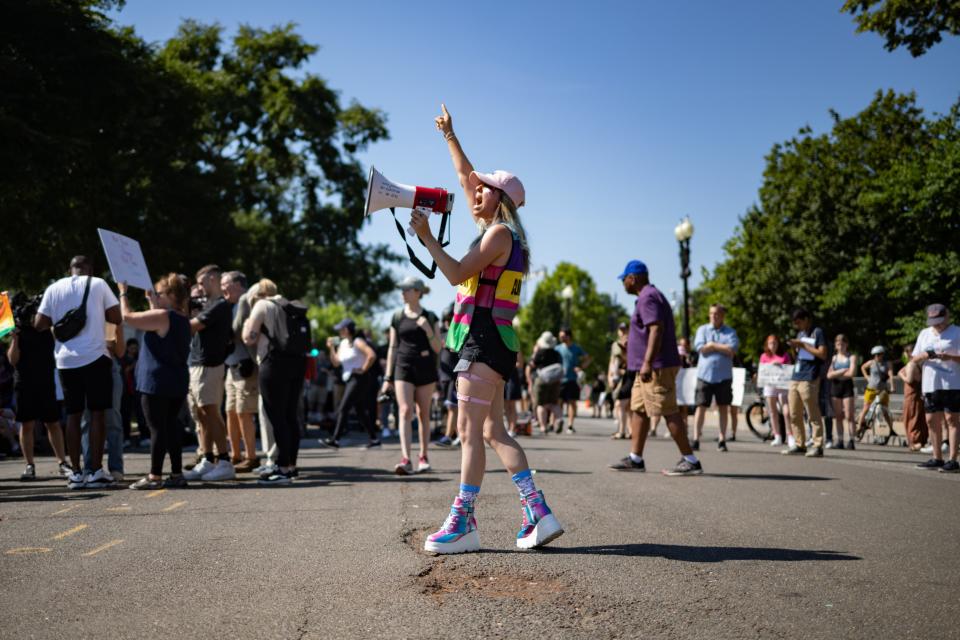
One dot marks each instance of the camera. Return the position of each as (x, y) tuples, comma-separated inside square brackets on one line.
[(197, 303), (385, 397), (24, 309)]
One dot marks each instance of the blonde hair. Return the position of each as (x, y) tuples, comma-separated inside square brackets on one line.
[(507, 214), (266, 288)]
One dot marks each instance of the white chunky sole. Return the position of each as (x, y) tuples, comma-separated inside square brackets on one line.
[(547, 530), (464, 544)]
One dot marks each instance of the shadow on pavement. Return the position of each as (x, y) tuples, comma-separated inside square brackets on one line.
[(688, 553), (765, 476), (48, 495)]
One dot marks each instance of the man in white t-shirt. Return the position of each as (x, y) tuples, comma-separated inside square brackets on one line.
[(938, 352), (84, 363)]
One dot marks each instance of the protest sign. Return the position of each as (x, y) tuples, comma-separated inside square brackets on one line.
[(687, 386), (774, 375), (6, 315), (126, 260)]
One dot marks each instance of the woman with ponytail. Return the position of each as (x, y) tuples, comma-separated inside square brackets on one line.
[(488, 280)]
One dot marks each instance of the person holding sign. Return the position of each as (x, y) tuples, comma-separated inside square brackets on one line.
[(804, 393), (776, 397), (717, 345), (162, 375), (77, 308)]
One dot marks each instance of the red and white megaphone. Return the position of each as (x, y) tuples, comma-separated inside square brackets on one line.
[(386, 194)]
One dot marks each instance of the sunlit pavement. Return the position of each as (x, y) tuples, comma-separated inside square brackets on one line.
[(855, 545)]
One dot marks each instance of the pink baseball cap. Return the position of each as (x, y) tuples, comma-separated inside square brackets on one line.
[(503, 180)]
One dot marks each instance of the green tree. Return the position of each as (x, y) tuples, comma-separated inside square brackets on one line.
[(915, 24), (204, 150), (860, 225), (324, 317), (593, 315)]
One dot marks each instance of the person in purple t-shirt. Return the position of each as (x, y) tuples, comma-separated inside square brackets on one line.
[(652, 354)]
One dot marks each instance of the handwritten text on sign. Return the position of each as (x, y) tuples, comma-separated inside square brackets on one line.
[(126, 260)]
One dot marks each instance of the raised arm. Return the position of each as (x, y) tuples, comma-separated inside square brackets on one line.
[(153, 320), (461, 164)]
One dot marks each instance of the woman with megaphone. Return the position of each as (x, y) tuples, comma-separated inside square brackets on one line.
[(488, 280)]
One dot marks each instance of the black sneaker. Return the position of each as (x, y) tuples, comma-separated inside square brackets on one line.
[(276, 478), (696, 445), (29, 473), (851, 446), (950, 467), (329, 443), (794, 451), (175, 482), (444, 442), (627, 464), (732, 438), (685, 468), (722, 446), (374, 444), (570, 429), (932, 463), (839, 445)]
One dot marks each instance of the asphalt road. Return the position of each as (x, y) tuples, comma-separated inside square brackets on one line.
[(856, 545)]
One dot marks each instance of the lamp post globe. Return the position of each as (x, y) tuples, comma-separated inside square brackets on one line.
[(683, 232)]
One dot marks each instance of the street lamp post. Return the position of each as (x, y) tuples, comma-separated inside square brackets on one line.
[(567, 295), (683, 233)]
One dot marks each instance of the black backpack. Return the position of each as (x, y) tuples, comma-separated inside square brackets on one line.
[(293, 316)]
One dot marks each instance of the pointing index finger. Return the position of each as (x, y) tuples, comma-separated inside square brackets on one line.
[(443, 107)]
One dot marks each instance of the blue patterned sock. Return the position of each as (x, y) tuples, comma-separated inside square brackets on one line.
[(525, 485), (468, 494)]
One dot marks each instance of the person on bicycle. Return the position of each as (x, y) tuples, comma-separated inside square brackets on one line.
[(775, 398), (879, 374), (489, 279), (412, 370), (842, 370)]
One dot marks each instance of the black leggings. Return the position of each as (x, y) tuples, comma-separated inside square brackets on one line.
[(281, 388), (166, 434), (357, 394)]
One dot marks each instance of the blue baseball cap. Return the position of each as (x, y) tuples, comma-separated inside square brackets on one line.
[(345, 324), (634, 267)]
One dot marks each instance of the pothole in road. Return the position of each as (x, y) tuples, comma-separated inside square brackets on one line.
[(441, 580)]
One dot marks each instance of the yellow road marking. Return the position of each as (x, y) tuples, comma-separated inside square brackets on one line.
[(70, 532), (119, 508), (104, 547), (175, 505), (26, 550), (70, 508), (158, 492)]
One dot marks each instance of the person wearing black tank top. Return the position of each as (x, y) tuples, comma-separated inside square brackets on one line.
[(162, 373), (412, 370)]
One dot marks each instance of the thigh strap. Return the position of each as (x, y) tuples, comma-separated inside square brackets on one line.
[(466, 375)]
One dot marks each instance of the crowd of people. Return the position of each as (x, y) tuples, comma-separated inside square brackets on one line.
[(233, 357)]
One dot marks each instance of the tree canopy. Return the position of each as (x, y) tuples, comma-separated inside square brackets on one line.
[(593, 315), (861, 225), (204, 149), (914, 24)]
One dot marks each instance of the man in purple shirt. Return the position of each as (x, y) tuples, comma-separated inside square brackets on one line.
[(652, 354)]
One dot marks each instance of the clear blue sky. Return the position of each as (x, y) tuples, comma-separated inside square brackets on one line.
[(619, 117)]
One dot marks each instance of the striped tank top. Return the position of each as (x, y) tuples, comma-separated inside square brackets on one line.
[(495, 288)]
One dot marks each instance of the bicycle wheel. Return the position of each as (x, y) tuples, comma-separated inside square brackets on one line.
[(758, 421)]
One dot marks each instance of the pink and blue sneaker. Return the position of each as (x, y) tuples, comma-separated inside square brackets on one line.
[(539, 525), (458, 534)]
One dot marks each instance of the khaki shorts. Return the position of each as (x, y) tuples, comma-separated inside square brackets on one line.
[(206, 387), (243, 394), (657, 397)]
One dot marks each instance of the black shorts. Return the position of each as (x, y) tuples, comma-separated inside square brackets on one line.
[(37, 402), (947, 400), (417, 371), (448, 391), (570, 391), (485, 345), (841, 388), (89, 387), (708, 391), (512, 390), (626, 385)]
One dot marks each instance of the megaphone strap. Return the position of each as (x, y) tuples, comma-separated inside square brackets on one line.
[(432, 271)]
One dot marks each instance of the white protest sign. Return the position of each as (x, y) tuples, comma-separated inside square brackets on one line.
[(774, 375), (687, 386), (126, 260)]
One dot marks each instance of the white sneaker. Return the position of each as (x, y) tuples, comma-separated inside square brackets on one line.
[(776, 442), (943, 447), (76, 480), (223, 470), (267, 467), (65, 470), (99, 479), (828, 445), (791, 442), (512, 434), (198, 471), (927, 448)]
